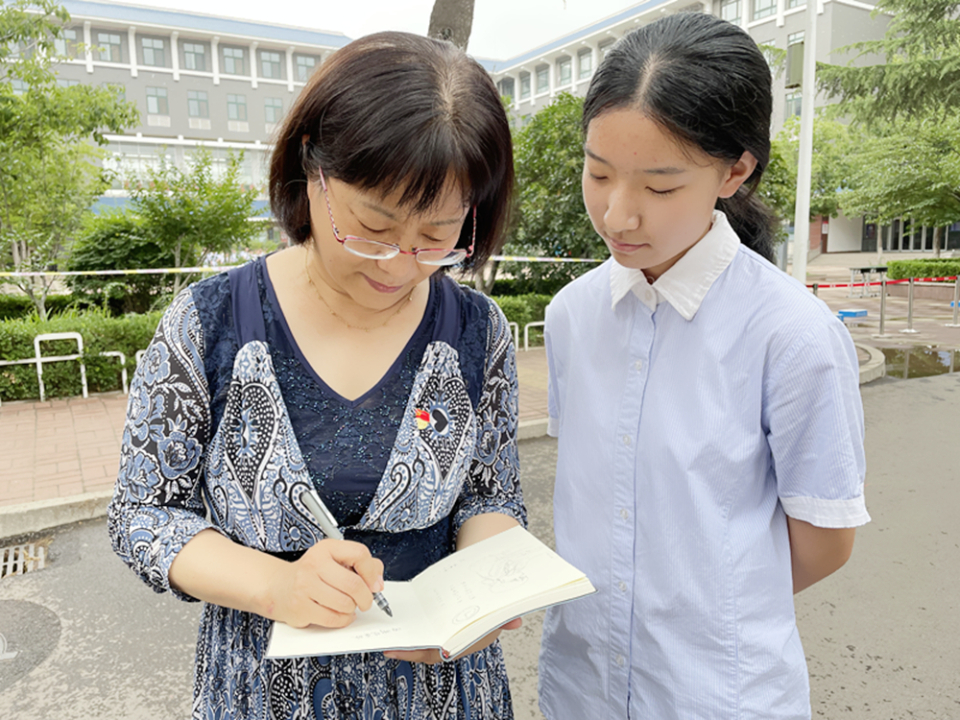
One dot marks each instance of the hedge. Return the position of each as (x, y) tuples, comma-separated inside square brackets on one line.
[(927, 268), (100, 333), (523, 309)]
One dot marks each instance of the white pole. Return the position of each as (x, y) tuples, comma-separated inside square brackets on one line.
[(801, 220)]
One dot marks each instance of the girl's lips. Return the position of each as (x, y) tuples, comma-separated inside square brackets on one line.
[(383, 288), (625, 247)]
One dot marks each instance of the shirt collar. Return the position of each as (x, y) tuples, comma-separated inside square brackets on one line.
[(686, 283)]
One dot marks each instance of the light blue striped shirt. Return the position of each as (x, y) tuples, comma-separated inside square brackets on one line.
[(692, 415)]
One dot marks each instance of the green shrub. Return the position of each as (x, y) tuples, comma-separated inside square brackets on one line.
[(19, 306), (927, 268), (523, 309), (100, 333)]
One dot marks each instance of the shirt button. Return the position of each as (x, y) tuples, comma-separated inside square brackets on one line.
[(624, 514), (638, 365), (626, 440), (620, 660), (622, 586)]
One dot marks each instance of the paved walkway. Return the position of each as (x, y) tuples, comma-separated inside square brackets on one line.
[(62, 449)]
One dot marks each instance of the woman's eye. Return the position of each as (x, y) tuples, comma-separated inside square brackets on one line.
[(371, 230), (663, 192), (598, 177)]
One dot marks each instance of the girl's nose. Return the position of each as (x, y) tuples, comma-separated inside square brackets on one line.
[(622, 214)]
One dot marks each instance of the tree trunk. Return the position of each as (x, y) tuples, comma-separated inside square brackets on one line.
[(452, 20), (485, 276), (937, 234)]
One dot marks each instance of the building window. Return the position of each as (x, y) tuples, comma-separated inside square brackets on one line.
[(153, 52), (66, 44), (197, 104), (565, 71), (506, 89), (730, 11), (543, 79), (795, 3), (794, 104), (19, 86), (305, 66), (237, 107), (157, 101), (764, 8), (585, 64), (194, 57), (524, 85), (64, 82), (794, 38), (110, 48), (273, 109), (233, 61), (270, 64)]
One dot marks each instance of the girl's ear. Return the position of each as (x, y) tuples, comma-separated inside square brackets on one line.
[(737, 174)]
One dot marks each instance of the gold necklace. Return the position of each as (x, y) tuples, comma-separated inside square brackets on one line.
[(400, 305)]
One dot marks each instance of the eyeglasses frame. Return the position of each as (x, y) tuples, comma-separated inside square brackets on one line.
[(398, 250)]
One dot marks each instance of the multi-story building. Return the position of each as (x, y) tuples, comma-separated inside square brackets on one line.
[(225, 84), (198, 80)]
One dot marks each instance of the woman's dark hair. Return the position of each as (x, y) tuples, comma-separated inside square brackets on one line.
[(706, 82), (394, 111)]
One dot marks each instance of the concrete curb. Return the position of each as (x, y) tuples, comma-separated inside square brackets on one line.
[(45, 514), (531, 429), (875, 368)]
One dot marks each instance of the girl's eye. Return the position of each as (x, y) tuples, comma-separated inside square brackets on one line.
[(598, 177), (664, 192)]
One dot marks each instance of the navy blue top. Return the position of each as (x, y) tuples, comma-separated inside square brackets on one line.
[(346, 443)]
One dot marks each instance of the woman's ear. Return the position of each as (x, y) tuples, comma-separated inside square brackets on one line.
[(737, 174)]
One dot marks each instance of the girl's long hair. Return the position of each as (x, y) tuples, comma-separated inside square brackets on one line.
[(706, 82)]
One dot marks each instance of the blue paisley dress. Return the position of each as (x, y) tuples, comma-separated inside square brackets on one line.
[(227, 426)]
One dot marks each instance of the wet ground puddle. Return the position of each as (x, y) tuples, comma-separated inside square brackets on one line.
[(921, 361)]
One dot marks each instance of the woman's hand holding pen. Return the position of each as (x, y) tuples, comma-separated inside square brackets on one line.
[(325, 586)]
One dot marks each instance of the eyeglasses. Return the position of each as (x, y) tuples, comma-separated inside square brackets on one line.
[(376, 250)]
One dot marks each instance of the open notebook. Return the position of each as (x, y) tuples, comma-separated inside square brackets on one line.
[(450, 605)]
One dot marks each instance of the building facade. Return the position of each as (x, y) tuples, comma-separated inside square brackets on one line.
[(198, 81)]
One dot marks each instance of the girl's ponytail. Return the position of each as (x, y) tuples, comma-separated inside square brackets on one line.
[(752, 220), (706, 82)]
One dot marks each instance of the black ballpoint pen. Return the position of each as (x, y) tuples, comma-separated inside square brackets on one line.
[(328, 524)]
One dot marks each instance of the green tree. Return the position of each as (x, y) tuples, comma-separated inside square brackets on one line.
[(921, 72), (835, 145), (50, 170), (195, 211), (912, 171), (117, 240), (551, 220)]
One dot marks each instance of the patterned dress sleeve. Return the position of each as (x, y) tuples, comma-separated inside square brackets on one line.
[(493, 485), (157, 505)]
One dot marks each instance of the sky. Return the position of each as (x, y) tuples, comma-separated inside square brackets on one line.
[(501, 28)]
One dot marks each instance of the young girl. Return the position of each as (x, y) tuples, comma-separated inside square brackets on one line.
[(707, 407)]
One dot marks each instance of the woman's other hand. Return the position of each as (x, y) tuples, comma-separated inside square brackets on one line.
[(432, 656), (325, 586)]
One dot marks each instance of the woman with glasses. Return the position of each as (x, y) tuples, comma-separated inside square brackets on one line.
[(348, 365)]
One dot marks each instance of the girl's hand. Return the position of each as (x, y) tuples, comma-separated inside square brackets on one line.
[(432, 657), (325, 586)]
